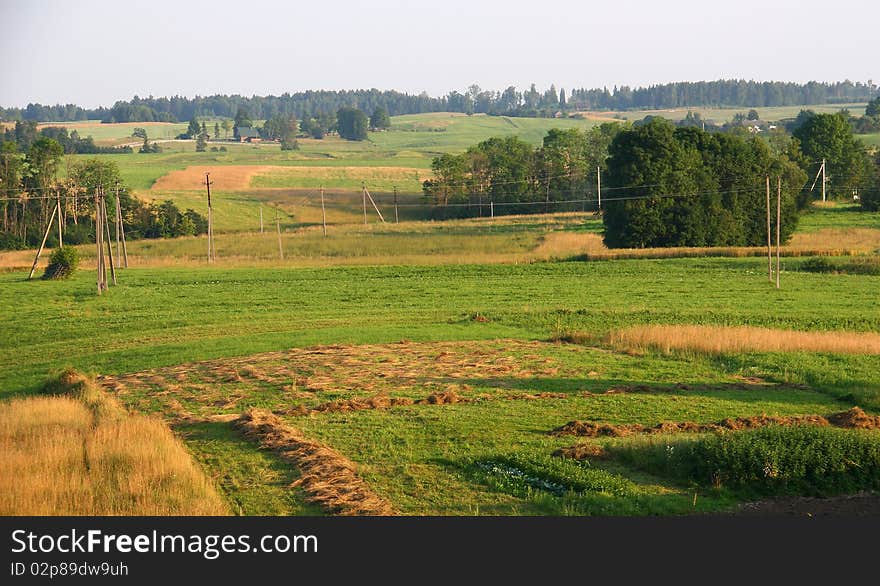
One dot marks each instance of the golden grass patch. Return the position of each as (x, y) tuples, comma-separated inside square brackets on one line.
[(82, 454), (224, 177), (826, 242), (722, 339)]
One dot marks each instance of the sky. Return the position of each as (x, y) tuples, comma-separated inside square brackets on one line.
[(94, 52)]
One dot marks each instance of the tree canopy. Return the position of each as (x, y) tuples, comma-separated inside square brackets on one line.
[(830, 137), (686, 187), (351, 124)]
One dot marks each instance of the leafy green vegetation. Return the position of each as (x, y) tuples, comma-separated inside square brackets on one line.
[(799, 459), (62, 264)]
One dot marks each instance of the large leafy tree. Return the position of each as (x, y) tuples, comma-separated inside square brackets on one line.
[(830, 137), (380, 120), (686, 187), (351, 123), (194, 128)]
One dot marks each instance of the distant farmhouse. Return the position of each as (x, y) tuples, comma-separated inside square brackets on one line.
[(247, 134)]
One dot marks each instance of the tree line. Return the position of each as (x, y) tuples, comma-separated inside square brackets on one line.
[(24, 133), (30, 186), (662, 184), (511, 101)]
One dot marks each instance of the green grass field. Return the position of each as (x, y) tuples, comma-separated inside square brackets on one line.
[(411, 142), (422, 458), (435, 356), (722, 115)]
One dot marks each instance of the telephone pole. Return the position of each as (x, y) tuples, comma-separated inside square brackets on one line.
[(323, 213), (599, 185), (364, 194), (769, 245), (824, 179), (208, 183), (778, 223), (396, 217)]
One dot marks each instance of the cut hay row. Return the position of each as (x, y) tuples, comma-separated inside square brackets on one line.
[(79, 453), (383, 401), (328, 478), (721, 339), (370, 376), (854, 418)]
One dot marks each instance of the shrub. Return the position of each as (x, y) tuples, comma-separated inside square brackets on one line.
[(818, 264), (62, 263), (801, 459)]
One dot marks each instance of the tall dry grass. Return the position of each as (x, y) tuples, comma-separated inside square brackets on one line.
[(826, 242), (82, 454), (721, 339), (478, 240)]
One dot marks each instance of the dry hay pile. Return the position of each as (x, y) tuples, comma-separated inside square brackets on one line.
[(376, 376), (329, 478), (584, 451), (854, 418)]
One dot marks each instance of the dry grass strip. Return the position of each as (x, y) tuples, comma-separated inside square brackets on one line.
[(80, 453), (329, 478), (720, 339), (854, 418)]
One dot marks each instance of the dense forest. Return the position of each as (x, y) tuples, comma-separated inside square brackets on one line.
[(510, 102)]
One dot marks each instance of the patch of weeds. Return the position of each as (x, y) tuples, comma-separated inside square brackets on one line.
[(799, 459)]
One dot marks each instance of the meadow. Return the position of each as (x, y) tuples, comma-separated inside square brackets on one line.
[(479, 335), (509, 365)]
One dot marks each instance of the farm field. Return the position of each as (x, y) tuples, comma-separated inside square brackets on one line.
[(722, 115), (483, 366), (443, 403)]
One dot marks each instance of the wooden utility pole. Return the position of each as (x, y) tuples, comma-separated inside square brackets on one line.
[(492, 208), (99, 257), (109, 241), (547, 197), (210, 219), (397, 218), (278, 226), (375, 207), (323, 213), (599, 185), (42, 244), (823, 179), (364, 193), (116, 223), (769, 245), (121, 229), (60, 218), (778, 223)]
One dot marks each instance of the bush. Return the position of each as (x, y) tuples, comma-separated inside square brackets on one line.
[(800, 459), (62, 263), (853, 266), (818, 264)]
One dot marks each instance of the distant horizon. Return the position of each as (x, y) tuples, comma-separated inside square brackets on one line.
[(611, 88)]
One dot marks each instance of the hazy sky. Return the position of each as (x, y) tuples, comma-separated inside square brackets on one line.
[(96, 52)]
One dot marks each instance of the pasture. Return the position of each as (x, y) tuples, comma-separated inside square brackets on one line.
[(503, 366), (441, 383)]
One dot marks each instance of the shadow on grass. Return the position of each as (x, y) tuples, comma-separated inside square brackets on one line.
[(253, 481)]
